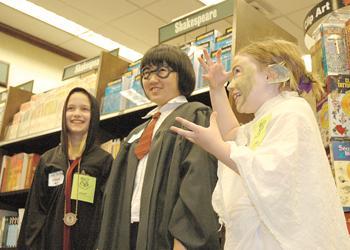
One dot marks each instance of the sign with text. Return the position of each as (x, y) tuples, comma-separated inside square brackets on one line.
[(316, 13), (193, 21), (4, 73), (80, 67)]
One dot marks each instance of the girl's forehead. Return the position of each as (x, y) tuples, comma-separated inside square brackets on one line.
[(241, 60)]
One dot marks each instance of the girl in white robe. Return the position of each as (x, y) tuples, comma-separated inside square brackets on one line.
[(275, 188)]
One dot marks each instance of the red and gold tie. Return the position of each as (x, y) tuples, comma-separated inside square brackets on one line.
[(67, 194), (143, 146)]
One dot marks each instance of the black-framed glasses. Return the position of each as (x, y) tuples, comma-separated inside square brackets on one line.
[(161, 71)]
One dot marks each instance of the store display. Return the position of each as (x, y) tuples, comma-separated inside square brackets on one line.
[(330, 54)]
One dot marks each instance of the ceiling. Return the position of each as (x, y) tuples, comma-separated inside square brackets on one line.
[(135, 23)]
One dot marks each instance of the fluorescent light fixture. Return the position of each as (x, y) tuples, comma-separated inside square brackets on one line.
[(307, 62), (211, 2), (71, 27)]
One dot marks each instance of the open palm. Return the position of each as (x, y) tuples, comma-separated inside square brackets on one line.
[(216, 75)]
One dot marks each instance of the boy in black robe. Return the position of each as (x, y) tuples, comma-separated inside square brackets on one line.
[(161, 198)]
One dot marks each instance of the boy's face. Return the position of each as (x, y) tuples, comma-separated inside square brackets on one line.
[(78, 114), (160, 83), (248, 84)]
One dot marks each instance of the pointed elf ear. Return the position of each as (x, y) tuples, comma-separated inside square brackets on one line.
[(277, 73)]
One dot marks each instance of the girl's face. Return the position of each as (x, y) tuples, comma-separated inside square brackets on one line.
[(248, 85), (78, 114)]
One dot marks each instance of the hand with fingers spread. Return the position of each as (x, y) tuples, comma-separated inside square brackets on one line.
[(216, 74), (207, 138)]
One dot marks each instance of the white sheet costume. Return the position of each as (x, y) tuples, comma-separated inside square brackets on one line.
[(285, 196)]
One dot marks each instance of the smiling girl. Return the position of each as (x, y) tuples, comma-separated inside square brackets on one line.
[(63, 207), (273, 191)]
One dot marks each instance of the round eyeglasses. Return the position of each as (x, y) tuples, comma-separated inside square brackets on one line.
[(161, 71)]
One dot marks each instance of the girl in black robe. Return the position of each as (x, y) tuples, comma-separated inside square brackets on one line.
[(49, 201)]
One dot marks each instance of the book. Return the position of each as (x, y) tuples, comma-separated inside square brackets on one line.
[(33, 161), (340, 158), (4, 163), (339, 114), (12, 232), (23, 159), (338, 83)]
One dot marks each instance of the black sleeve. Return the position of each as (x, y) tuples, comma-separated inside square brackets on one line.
[(193, 221)]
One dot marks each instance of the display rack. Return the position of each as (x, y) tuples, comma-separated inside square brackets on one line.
[(327, 36)]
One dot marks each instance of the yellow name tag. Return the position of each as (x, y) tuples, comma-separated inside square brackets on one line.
[(83, 188), (259, 131)]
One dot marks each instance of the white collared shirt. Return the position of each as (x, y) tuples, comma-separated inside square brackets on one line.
[(165, 111)]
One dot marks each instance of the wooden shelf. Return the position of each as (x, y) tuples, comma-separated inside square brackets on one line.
[(14, 199)]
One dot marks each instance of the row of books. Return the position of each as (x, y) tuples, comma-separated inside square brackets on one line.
[(34, 114), (10, 224), (17, 171), (127, 92)]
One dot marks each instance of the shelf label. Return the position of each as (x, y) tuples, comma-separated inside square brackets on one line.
[(316, 13), (81, 67), (196, 20)]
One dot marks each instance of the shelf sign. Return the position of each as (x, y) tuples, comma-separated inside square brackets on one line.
[(316, 13), (196, 20), (81, 67), (4, 73)]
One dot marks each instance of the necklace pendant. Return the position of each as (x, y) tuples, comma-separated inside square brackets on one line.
[(70, 219)]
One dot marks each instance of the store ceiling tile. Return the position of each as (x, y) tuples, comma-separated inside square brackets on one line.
[(286, 7), (135, 42), (104, 10), (294, 30), (32, 26), (142, 3), (81, 47), (168, 10), (141, 24), (298, 17), (72, 13)]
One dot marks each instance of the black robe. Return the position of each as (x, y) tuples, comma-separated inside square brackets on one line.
[(176, 195), (42, 225)]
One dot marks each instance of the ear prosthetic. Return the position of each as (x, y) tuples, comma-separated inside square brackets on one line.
[(277, 73)]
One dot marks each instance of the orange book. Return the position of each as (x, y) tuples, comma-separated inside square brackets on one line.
[(14, 172), (347, 218), (3, 175), (33, 162)]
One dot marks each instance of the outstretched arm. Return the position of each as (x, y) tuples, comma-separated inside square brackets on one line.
[(217, 77), (208, 138)]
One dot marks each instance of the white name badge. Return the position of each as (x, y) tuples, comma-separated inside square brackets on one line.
[(56, 178)]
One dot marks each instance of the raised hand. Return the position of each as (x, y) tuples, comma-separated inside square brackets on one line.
[(216, 74), (207, 138)]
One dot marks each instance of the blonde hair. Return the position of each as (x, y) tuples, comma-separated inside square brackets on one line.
[(272, 51)]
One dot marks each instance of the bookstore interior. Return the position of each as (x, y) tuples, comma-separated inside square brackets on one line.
[(30, 110)]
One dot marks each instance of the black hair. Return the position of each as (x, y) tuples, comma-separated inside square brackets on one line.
[(177, 60)]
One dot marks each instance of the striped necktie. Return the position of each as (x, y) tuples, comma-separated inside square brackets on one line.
[(143, 146)]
